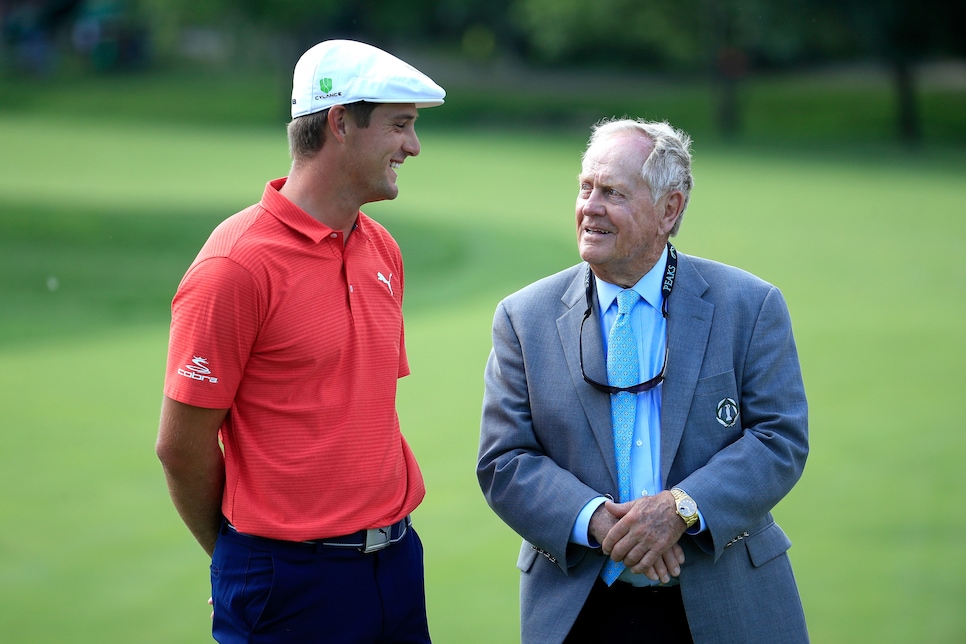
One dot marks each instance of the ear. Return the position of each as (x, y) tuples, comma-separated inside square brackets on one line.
[(673, 205), (336, 120)]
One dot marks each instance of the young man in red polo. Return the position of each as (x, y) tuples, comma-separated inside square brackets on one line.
[(279, 436)]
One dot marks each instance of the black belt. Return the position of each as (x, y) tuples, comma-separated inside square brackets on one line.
[(370, 540), (366, 541)]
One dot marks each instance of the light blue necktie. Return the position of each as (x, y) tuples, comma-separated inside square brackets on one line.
[(622, 371)]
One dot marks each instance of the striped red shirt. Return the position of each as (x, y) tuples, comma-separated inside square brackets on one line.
[(301, 337)]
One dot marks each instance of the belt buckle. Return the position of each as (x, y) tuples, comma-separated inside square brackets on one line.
[(376, 539)]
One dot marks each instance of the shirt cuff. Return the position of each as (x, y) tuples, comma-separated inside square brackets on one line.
[(698, 527), (581, 531)]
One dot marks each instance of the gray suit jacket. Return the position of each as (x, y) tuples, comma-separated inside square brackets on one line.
[(546, 447)]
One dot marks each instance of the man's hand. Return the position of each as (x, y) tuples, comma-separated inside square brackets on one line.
[(645, 535), (601, 522), (193, 466)]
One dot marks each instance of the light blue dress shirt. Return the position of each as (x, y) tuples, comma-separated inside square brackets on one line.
[(649, 327)]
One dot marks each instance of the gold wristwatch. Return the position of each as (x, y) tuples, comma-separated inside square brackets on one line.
[(685, 506)]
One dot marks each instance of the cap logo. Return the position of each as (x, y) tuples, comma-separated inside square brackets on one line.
[(325, 85)]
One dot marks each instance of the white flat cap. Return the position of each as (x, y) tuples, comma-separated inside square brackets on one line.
[(338, 72)]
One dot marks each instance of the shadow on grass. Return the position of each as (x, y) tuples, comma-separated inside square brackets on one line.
[(81, 272)]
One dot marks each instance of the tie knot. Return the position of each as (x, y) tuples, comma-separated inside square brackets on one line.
[(626, 300)]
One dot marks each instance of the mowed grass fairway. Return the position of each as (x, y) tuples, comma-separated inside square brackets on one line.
[(98, 222)]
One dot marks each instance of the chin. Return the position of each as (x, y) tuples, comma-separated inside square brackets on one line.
[(386, 192), (590, 254)]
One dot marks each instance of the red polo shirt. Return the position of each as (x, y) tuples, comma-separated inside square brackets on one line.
[(301, 337)]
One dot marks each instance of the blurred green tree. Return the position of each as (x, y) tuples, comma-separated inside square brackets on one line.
[(724, 39), (900, 34), (622, 33), (728, 38)]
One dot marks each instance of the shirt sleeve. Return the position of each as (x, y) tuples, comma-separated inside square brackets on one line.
[(214, 322)]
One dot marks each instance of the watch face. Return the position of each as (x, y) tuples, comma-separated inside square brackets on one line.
[(687, 507)]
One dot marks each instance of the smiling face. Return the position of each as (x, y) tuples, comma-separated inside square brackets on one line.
[(377, 151), (621, 231)]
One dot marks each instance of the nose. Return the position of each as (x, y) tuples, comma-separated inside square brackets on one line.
[(411, 144), (592, 204)]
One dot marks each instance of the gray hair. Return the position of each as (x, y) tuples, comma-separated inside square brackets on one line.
[(667, 168)]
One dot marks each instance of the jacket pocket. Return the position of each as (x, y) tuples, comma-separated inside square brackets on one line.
[(714, 420), (766, 544), (722, 383), (528, 554)]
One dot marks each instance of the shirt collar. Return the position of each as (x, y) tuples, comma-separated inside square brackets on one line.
[(648, 287), (296, 218)]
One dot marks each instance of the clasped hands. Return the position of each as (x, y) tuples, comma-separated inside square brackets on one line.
[(643, 534)]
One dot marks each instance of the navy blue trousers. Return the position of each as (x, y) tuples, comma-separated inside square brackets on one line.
[(275, 591)]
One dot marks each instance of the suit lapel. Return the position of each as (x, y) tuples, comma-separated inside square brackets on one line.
[(689, 326), (596, 404)]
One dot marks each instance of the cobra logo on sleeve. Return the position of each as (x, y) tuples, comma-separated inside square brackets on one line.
[(198, 370)]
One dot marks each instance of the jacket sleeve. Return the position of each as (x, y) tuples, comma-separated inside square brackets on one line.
[(738, 482), (519, 476)]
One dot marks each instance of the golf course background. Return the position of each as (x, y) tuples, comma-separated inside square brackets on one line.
[(104, 201)]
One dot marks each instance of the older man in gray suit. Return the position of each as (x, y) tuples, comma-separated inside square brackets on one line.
[(644, 412)]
